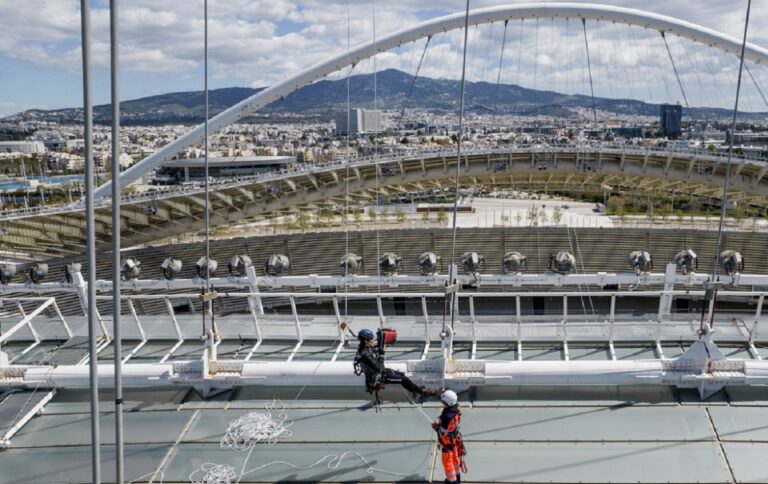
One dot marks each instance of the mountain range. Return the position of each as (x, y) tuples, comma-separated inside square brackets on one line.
[(323, 98)]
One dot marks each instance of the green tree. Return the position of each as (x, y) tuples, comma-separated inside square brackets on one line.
[(400, 215), (442, 217), (303, 221), (615, 204), (533, 216), (557, 215)]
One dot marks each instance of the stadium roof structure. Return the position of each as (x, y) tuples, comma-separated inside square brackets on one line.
[(582, 410)]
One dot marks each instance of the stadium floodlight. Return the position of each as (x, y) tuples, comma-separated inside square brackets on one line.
[(237, 265), (641, 261), (170, 267), (687, 261), (472, 262), (277, 265), (731, 261), (206, 267), (389, 263), (562, 262), (428, 263), (7, 271), (38, 272), (131, 269), (514, 262), (350, 264), (70, 270)]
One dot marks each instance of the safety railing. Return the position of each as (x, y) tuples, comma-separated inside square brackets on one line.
[(574, 318), (26, 321)]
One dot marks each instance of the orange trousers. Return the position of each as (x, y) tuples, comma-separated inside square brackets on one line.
[(451, 463)]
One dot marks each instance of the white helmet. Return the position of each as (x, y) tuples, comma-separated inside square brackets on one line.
[(449, 398)]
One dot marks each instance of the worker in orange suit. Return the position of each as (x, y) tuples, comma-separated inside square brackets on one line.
[(449, 437)]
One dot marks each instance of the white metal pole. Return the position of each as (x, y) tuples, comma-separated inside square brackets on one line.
[(85, 18), (116, 302)]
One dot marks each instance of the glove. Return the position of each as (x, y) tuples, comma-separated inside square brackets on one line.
[(435, 426)]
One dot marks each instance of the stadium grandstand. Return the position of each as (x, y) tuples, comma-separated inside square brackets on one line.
[(575, 354)]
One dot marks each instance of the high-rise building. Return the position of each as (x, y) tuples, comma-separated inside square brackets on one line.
[(360, 121), (671, 120)]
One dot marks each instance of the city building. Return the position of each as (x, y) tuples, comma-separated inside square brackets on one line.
[(23, 147), (361, 121), (671, 120)]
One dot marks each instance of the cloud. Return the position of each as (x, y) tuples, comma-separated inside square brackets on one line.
[(260, 42)]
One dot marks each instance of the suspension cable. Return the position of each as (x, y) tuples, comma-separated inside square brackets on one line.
[(536, 56), (724, 202), (674, 68), (413, 85), (501, 58), (589, 68), (757, 86), (520, 51), (452, 269)]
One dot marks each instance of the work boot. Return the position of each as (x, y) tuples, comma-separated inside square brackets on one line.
[(426, 394), (458, 478)]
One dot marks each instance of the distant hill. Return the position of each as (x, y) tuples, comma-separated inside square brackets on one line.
[(323, 98)]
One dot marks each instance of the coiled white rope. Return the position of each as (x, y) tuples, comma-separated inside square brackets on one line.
[(214, 474), (267, 428), (258, 427)]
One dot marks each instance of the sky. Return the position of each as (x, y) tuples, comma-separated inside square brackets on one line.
[(257, 43)]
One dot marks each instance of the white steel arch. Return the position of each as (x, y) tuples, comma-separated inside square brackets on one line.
[(455, 21)]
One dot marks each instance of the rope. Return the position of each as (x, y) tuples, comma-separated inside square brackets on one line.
[(333, 462), (413, 85), (674, 68), (724, 203), (520, 51), (418, 407), (501, 58), (257, 427), (266, 428), (536, 55), (589, 68), (214, 474), (458, 169), (757, 86)]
